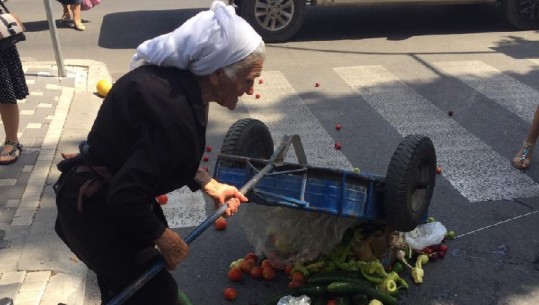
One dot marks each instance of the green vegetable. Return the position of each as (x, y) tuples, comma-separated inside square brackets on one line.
[(375, 302), (183, 299), (337, 276), (388, 286), (347, 288), (342, 300), (397, 267), (360, 299), (417, 271)]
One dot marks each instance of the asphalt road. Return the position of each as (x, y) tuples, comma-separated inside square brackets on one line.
[(384, 73)]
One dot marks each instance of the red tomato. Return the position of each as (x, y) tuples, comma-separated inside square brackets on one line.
[(230, 294), (331, 302), (251, 255), (443, 247), (206, 159), (256, 272), (288, 269), (268, 273), (439, 170), (208, 148), (265, 263), (220, 224), (247, 265), (298, 277), (235, 274), (162, 199), (294, 284)]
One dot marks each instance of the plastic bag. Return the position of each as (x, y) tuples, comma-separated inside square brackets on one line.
[(424, 235), (290, 300), (287, 235)]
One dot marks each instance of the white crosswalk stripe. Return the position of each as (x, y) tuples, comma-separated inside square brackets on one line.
[(284, 112), (503, 89), (488, 177)]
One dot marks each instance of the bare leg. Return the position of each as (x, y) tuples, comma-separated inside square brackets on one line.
[(10, 117), (523, 158), (77, 20)]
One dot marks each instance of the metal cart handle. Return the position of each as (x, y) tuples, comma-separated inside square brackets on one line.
[(160, 264)]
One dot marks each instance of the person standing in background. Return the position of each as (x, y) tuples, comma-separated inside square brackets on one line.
[(73, 6), (523, 158), (13, 87)]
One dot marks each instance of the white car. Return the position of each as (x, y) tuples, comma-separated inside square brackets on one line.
[(280, 20)]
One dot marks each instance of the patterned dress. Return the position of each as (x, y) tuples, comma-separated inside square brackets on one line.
[(12, 82)]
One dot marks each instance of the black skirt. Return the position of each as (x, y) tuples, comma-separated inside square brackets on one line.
[(12, 82)]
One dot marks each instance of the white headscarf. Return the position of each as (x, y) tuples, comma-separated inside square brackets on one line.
[(206, 42)]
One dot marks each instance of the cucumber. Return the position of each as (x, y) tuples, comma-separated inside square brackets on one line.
[(327, 279), (360, 299), (183, 299), (347, 288), (342, 300), (311, 290)]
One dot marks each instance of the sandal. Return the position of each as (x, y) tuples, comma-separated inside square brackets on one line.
[(66, 18), (523, 159), (79, 26), (13, 153)]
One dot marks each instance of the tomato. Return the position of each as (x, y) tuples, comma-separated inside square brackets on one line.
[(162, 199), (443, 247), (220, 224), (251, 255), (298, 277), (256, 272), (247, 265), (265, 263), (230, 293), (235, 274), (288, 269), (268, 273), (294, 284), (331, 302), (439, 170)]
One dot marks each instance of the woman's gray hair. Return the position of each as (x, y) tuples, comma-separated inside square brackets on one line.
[(258, 54)]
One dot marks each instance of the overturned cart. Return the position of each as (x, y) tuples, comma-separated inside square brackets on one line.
[(400, 199)]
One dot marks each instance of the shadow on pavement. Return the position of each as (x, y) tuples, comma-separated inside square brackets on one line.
[(127, 30)]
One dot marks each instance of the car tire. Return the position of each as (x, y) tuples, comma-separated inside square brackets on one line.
[(248, 138), (522, 14), (275, 22), (410, 182)]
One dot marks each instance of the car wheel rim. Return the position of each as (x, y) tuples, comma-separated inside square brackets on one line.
[(274, 15), (528, 9)]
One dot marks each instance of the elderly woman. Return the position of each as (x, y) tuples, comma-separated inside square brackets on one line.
[(148, 139)]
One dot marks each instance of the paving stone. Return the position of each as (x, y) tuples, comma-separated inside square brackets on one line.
[(7, 215), (12, 192)]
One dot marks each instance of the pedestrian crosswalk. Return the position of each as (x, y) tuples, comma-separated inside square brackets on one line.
[(471, 166)]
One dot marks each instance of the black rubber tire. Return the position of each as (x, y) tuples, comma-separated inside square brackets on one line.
[(248, 138), (522, 14), (274, 22), (410, 180)]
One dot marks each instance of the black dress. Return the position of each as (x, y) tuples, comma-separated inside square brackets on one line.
[(150, 135), (12, 82)]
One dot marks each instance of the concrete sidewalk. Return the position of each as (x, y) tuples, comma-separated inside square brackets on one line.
[(35, 266)]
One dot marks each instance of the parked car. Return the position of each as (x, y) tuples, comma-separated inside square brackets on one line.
[(280, 20)]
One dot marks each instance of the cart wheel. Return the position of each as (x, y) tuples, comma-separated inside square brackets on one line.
[(410, 182), (248, 138)]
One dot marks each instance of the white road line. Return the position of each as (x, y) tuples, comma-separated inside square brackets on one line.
[(470, 165), (516, 97), (285, 113)]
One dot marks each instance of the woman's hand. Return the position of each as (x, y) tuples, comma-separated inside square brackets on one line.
[(173, 248), (223, 193)]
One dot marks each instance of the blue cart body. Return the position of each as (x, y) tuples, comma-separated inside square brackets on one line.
[(333, 191)]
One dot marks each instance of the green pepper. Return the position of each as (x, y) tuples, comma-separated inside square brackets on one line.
[(388, 286)]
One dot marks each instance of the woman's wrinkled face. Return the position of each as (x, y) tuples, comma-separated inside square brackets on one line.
[(229, 90)]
